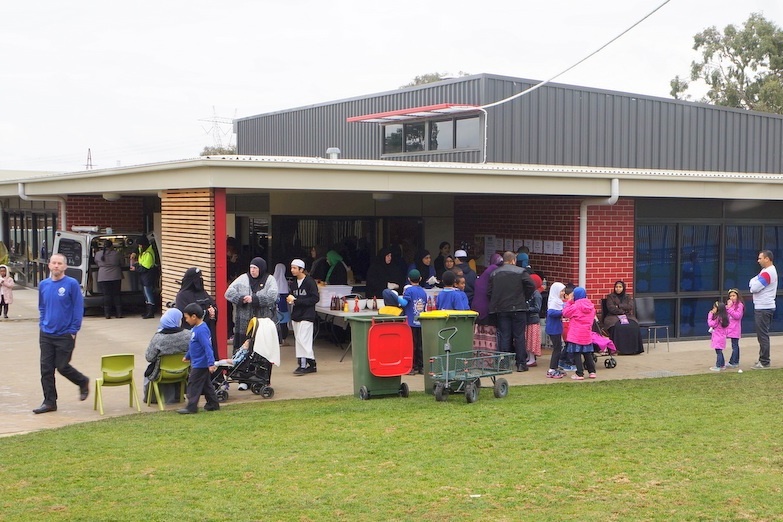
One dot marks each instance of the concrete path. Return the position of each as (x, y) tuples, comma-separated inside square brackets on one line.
[(20, 391)]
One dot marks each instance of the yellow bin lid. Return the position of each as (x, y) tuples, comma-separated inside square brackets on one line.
[(445, 314)]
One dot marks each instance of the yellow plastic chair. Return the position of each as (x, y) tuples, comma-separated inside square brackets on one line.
[(172, 370), (116, 370)]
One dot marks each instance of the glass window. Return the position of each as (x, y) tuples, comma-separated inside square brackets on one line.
[(773, 240), (699, 258), (392, 139), (656, 254), (693, 316), (468, 134), (415, 137), (442, 135), (740, 252)]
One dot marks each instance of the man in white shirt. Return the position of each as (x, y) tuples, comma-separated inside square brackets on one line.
[(764, 288)]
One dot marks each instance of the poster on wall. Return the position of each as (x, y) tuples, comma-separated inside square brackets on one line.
[(557, 248), (549, 247), (517, 245), (509, 245), (538, 247)]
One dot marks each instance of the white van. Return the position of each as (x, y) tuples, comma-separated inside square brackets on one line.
[(79, 247)]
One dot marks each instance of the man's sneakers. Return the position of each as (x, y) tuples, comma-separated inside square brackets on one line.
[(185, 411), (759, 366), (45, 408)]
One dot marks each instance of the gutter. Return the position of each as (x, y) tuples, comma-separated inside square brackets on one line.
[(611, 200), (59, 199)]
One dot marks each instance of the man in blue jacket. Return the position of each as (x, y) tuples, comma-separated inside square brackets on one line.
[(61, 308)]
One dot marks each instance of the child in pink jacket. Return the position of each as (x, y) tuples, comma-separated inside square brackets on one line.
[(580, 313), (736, 309), (6, 290), (718, 320)]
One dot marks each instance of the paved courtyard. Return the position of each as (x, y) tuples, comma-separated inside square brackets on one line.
[(20, 392)]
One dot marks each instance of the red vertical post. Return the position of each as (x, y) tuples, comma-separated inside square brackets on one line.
[(221, 271)]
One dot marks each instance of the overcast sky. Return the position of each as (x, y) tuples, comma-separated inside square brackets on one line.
[(131, 81)]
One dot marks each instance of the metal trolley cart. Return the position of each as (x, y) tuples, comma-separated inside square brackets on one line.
[(462, 372)]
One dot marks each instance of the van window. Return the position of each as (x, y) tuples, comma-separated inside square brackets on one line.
[(72, 250)]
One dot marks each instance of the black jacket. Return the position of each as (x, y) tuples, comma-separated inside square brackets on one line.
[(306, 299), (510, 288)]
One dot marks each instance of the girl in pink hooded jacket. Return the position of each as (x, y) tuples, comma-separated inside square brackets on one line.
[(581, 313), (718, 321), (6, 290), (736, 309)]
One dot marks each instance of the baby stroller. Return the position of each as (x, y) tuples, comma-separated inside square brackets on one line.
[(246, 367), (603, 345)]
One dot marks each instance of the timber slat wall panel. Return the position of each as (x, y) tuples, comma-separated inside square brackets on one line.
[(187, 238)]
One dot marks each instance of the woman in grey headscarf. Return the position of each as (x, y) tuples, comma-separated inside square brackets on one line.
[(169, 339), (254, 294)]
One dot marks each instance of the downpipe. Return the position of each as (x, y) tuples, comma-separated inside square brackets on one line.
[(611, 200)]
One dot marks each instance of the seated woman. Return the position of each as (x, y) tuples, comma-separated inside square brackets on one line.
[(621, 323), (170, 338)]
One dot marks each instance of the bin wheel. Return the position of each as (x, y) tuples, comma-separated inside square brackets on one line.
[(610, 363), (404, 390), (256, 388), (364, 393), (441, 392), (222, 395), (267, 392), (471, 393), (501, 388)]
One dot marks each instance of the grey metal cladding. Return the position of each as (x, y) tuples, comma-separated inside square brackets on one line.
[(554, 125)]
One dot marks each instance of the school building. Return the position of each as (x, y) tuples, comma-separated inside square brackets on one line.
[(675, 198)]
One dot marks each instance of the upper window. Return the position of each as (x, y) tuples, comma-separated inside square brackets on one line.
[(454, 133)]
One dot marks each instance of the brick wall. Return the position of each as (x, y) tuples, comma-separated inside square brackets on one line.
[(126, 214), (610, 235)]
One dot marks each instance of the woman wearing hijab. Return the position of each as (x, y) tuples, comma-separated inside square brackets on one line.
[(337, 273), (283, 313), (192, 291), (423, 263), (383, 274), (254, 294), (621, 323), (485, 334), (170, 338)]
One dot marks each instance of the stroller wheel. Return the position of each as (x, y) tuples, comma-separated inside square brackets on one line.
[(256, 388), (610, 363), (267, 392), (222, 395)]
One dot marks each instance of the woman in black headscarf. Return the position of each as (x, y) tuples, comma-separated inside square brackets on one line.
[(620, 321), (254, 294), (423, 263), (383, 273), (192, 291)]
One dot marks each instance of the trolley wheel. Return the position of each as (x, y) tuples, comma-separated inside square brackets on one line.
[(256, 388), (610, 363), (267, 392), (471, 393), (404, 390), (364, 393), (477, 382), (501, 388), (441, 392), (222, 395)]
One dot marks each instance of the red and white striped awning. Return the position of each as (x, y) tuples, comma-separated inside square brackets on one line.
[(415, 113)]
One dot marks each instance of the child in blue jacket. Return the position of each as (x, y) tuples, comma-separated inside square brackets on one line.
[(202, 362)]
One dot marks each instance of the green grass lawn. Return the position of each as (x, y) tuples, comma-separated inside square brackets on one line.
[(705, 447)]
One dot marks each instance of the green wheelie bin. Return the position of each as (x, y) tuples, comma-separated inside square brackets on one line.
[(382, 352), (432, 345)]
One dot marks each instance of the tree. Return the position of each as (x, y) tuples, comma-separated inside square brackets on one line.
[(218, 151), (432, 78), (742, 67)]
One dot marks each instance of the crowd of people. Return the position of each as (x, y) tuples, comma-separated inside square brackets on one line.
[(510, 299)]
